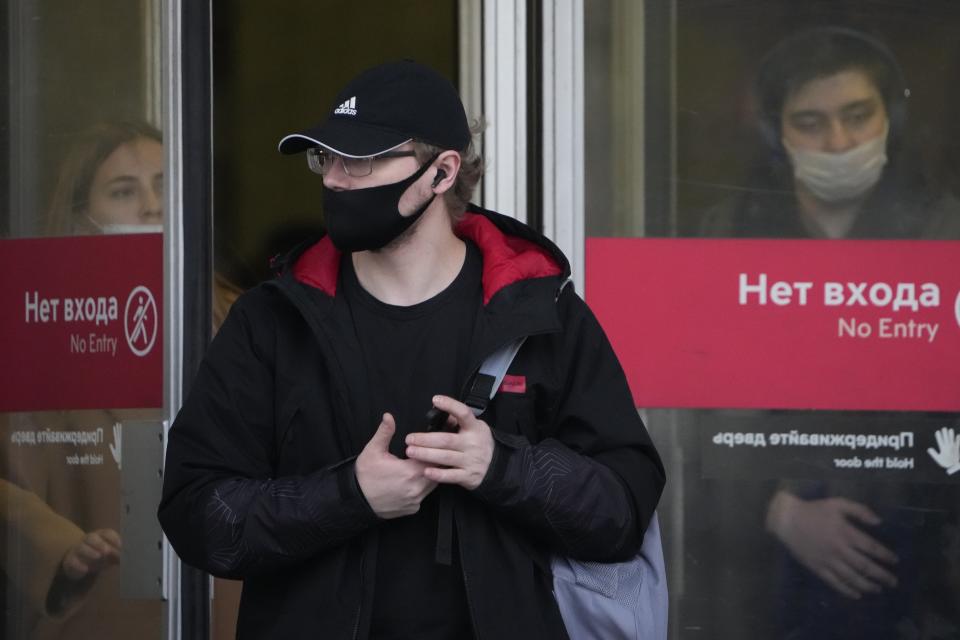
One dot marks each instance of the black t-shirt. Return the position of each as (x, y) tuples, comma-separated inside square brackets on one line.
[(411, 354)]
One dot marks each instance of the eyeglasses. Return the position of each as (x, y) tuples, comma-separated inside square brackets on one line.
[(321, 161)]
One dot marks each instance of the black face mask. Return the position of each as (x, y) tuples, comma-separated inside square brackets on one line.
[(367, 219)]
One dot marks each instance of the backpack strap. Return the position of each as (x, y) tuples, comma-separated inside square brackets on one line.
[(485, 384), (482, 389)]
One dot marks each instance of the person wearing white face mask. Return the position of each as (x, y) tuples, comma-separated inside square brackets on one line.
[(832, 108), (832, 113), (835, 132), (111, 181)]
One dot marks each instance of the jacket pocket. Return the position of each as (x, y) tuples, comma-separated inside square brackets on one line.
[(515, 413)]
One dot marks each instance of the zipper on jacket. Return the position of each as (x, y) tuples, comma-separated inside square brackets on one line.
[(302, 305), (466, 583), (356, 620), (297, 299)]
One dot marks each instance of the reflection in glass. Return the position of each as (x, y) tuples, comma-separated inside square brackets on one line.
[(860, 556), (111, 181), (783, 131), (832, 108), (62, 499)]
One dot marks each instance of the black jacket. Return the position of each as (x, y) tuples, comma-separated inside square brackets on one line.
[(259, 480)]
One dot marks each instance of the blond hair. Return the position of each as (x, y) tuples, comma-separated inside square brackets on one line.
[(471, 170)]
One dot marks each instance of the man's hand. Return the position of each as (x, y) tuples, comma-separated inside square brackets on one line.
[(98, 550), (822, 535), (454, 458), (392, 486)]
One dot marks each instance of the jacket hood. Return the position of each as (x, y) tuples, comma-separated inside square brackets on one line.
[(511, 250)]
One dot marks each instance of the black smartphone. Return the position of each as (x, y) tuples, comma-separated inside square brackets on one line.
[(437, 420)]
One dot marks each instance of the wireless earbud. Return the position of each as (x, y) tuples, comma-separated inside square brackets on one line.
[(441, 174)]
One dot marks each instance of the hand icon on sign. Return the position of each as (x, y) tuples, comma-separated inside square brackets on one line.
[(948, 456)]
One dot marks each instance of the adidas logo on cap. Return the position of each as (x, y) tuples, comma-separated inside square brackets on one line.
[(348, 108)]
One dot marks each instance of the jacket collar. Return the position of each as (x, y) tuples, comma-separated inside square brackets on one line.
[(512, 252)]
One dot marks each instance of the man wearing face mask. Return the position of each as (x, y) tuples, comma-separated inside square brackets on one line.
[(832, 107), (302, 460)]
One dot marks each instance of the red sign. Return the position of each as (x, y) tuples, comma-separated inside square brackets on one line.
[(80, 322), (791, 324)]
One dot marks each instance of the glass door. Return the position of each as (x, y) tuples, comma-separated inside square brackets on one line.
[(81, 393), (808, 151)]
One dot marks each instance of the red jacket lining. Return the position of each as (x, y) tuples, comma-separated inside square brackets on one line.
[(506, 259)]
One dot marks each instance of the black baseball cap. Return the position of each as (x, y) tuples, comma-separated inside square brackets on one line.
[(384, 107)]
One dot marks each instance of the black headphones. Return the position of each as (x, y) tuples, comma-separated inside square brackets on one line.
[(441, 174)]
